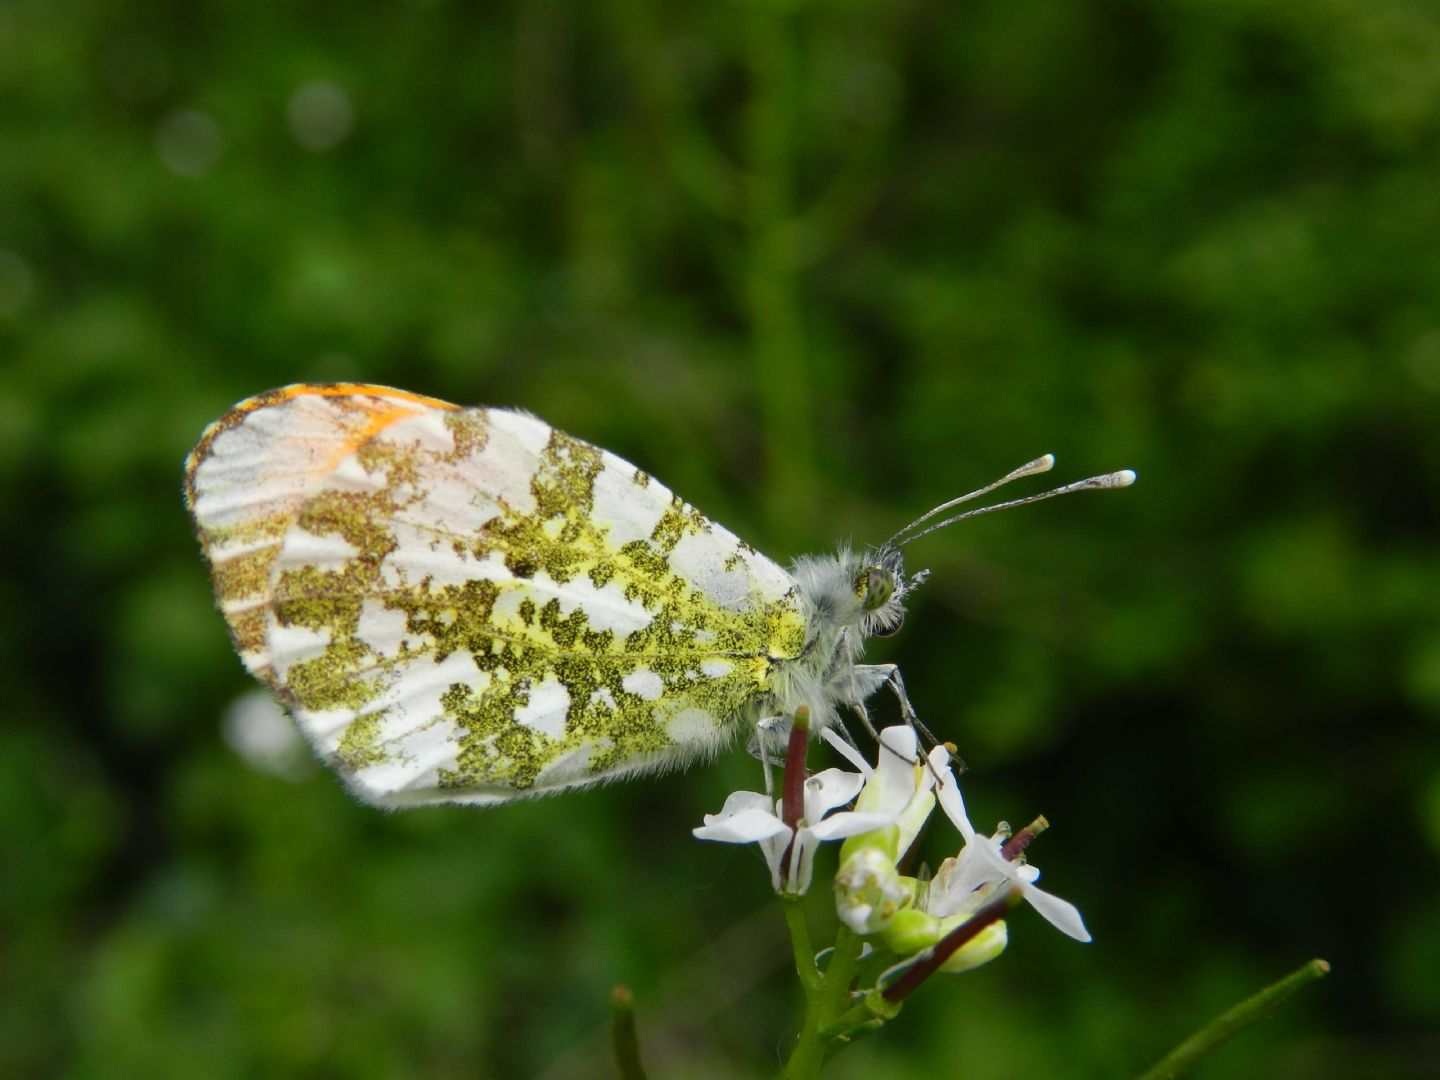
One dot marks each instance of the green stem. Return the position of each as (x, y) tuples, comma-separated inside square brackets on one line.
[(623, 1039), (1232, 1021), (794, 908), (835, 992), (856, 1018), (825, 1002)]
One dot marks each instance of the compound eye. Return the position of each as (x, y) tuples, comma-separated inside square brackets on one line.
[(875, 585), (890, 631)]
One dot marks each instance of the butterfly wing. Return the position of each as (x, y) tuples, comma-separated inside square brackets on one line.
[(252, 471), (466, 605)]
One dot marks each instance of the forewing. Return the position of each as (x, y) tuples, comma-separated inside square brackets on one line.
[(472, 606), (253, 470)]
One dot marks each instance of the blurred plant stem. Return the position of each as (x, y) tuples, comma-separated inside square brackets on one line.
[(1232, 1022), (623, 1039), (772, 285)]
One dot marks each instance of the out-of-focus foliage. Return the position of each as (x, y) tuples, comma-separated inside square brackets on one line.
[(1198, 239)]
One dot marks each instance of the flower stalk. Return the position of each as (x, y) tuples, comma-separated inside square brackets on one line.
[(624, 1042), (1233, 1021)]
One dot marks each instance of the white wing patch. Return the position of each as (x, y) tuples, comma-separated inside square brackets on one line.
[(644, 683), (627, 508), (545, 710)]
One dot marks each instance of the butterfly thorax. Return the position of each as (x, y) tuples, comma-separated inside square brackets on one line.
[(846, 597)]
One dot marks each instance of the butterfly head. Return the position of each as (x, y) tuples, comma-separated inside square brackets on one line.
[(881, 587)]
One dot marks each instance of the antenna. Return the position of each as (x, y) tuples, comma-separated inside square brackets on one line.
[(1123, 478), (1044, 463)]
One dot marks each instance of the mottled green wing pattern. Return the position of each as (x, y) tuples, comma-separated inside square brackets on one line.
[(471, 606)]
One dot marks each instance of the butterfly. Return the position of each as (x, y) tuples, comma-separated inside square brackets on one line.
[(466, 605)]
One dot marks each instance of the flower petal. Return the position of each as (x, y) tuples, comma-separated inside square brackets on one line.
[(743, 800), (744, 827), (939, 765), (802, 863), (895, 770), (826, 790), (953, 804), (848, 823), (773, 848), (1061, 914)]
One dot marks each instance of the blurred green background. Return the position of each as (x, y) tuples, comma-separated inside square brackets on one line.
[(819, 266)]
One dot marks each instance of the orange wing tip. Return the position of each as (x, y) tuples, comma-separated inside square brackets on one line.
[(397, 404), (295, 390)]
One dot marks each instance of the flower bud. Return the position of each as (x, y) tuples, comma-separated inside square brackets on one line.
[(911, 931), (869, 890), (980, 949), (885, 840)]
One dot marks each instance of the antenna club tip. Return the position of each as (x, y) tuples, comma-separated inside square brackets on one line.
[(1125, 477), (1045, 462)]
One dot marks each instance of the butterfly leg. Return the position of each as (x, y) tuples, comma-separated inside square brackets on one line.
[(889, 674), (865, 680), (862, 712), (768, 743)]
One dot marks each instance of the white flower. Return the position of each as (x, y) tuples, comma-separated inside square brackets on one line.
[(981, 871), (749, 817), (900, 785), (869, 890)]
